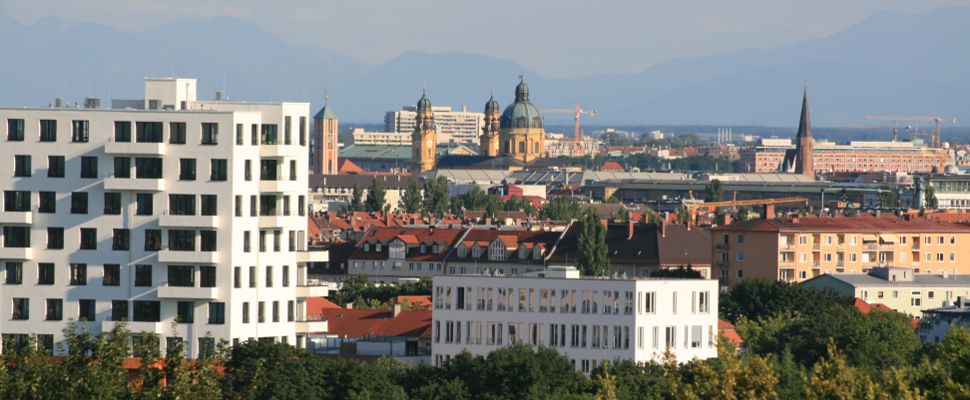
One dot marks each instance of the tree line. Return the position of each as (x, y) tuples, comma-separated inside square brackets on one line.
[(799, 343)]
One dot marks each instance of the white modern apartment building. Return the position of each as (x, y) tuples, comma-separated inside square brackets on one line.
[(363, 137), (186, 218), (451, 126), (587, 320)]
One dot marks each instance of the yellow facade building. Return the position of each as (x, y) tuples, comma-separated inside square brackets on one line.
[(798, 249)]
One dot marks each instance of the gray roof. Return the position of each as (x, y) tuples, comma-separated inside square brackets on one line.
[(472, 176), (860, 280)]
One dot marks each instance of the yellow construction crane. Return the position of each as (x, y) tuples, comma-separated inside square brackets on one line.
[(576, 113), (935, 140)]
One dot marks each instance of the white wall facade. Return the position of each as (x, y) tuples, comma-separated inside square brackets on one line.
[(587, 320), (221, 275)]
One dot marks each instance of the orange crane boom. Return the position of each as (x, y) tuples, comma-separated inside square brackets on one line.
[(576, 113)]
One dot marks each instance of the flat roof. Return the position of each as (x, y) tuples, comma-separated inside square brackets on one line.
[(919, 280)]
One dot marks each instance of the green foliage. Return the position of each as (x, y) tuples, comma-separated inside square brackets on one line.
[(436, 196), (357, 201), (375, 196), (593, 252), (679, 272), (713, 191), (561, 209), (757, 298), (411, 201), (889, 198), (362, 291)]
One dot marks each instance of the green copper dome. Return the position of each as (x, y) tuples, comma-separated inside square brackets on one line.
[(492, 105), (424, 103), (521, 114)]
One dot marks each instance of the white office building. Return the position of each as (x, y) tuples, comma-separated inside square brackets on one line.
[(587, 320), (186, 218), (451, 126)]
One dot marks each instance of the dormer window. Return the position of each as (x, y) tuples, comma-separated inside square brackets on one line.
[(476, 251), (366, 247), (435, 249), (523, 253), (462, 251), (424, 248), (537, 253), (397, 250), (496, 251), (377, 247)]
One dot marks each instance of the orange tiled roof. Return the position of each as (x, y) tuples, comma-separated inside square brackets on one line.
[(377, 323)]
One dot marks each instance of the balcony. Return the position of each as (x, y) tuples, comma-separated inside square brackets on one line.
[(16, 253), (313, 291), (135, 327), (278, 221), (188, 257), (134, 148), (187, 292), (316, 326), (188, 221), (313, 256), (722, 246), (16, 218), (281, 150), (282, 186), (134, 185)]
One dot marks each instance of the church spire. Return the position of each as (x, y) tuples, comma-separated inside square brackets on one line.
[(805, 161)]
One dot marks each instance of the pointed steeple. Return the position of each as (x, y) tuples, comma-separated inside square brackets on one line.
[(805, 123), (804, 158)]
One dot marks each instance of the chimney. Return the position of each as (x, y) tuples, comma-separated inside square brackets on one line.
[(349, 306), (629, 230), (396, 309), (794, 219), (220, 95), (58, 102), (726, 220)]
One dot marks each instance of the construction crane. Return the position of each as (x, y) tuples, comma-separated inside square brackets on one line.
[(935, 140), (769, 205), (576, 113)]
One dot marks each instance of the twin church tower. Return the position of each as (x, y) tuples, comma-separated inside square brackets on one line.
[(517, 133)]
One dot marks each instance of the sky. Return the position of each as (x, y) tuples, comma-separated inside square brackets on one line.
[(556, 38)]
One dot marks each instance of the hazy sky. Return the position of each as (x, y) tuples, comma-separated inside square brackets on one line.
[(557, 38)]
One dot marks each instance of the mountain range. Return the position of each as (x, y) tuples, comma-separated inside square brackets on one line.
[(890, 63)]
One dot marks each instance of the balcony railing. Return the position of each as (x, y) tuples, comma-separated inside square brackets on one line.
[(16, 217), (187, 292)]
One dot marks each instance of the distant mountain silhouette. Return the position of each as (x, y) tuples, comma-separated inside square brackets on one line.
[(890, 63)]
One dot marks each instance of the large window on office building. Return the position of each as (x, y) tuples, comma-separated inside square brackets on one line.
[(181, 240), (181, 204), (16, 200), (123, 131), (210, 133), (148, 168)]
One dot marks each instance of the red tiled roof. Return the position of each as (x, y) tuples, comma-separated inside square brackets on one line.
[(377, 323), (316, 305), (348, 167), (611, 166), (846, 224), (445, 237), (509, 241), (312, 228), (419, 301), (408, 239), (866, 308), (727, 330)]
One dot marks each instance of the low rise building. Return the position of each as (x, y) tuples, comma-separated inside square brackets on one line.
[(404, 335), (392, 254), (938, 321), (897, 288), (589, 321), (857, 156), (362, 137), (796, 249)]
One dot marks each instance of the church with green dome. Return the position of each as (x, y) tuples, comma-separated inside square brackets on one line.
[(508, 141)]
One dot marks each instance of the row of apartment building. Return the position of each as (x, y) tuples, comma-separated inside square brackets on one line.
[(390, 254)]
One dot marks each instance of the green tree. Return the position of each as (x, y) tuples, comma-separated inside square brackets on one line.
[(888, 198), (357, 201), (605, 384), (593, 252), (714, 191), (257, 369), (679, 272), (437, 196), (929, 198), (411, 199), (93, 364), (833, 378), (561, 209), (375, 196)]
